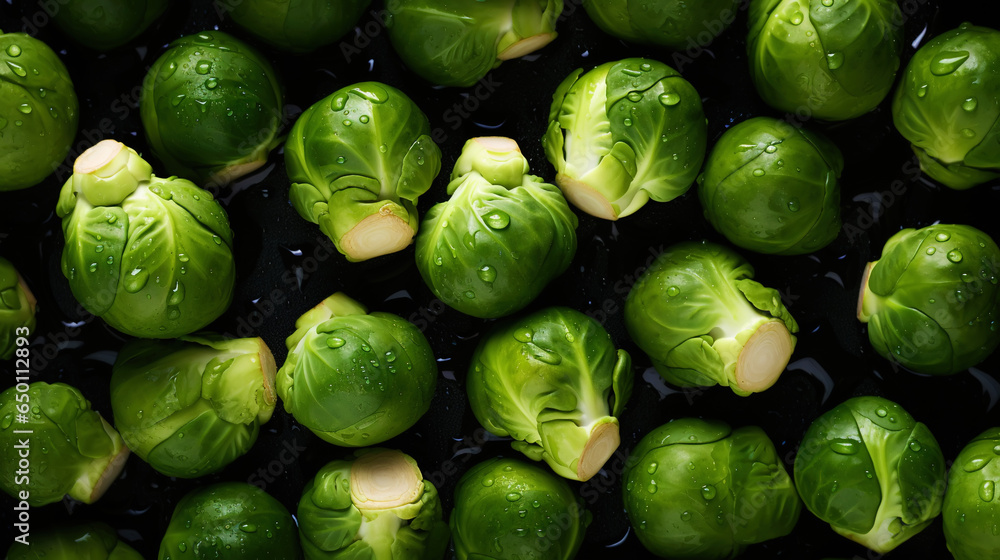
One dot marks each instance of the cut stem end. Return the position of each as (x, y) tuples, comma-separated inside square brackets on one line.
[(764, 357), (385, 479), (861, 293), (380, 234), (526, 46), (97, 156), (586, 198), (601, 445), (269, 369)]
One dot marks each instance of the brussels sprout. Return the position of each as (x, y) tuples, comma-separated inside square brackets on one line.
[(772, 188), (931, 302), (624, 133), (946, 106), (38, 111), (675, 24), (358, 160), (699, 489), (106, 24), (376, 506), (457, 42), (211, 107), (829, 59), (82, 454), (501, 238), (546, 380), (17, 309), (125, 227), (354, 378), (298, 25), (704, 321), (190, 407), (227, 521), (91, 541), (507, 509), (871, 471), (970, 508)]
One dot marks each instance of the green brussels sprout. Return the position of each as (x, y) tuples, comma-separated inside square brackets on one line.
[(946, 106), (675, 24), (227, 521), (772, 188), (150, 256), (931, 302), (699, 489), (212, 108), (189, 407), (356, 378), (457, 42), (358, 160), (17, 309), (509, 509), (624, 133), (106, 24), (704, 321), (376, 505), (970, 508), (501, 238), (829, 59), (82, 455), (38, 111), (871, 471), (546, 380), (298, 26), (90, 541)]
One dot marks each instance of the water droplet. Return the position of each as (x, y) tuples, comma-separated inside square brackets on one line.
[(628, 122), (942, 237), (915, 446), (651, 488), (341, 159), (922, 90), (758, 172), (635, 96), (182, 547), (177, 99), (487, 482), (834, 60), (523, 335), (14, 50), (93, 267), (686, 516), (203, 67), (844, 447), (793, 205), (895, 526), (438, 260), (955, 256), (970, 104), (217, 239), (708, 492), (24, 108), (17, 69), (827, 3), (959, 295), (383, 148), (173, 313), (869, 475), (646, 67), (651, 469), (930, 250), (7, 421), (364, 119), (497, 219), (947, 62), (987, 490), (487, 274), (347, 122), (796, 18), (513, 497), (670, 99), (469, 294), (248, 527), (335, 342), (212, 83), (771, 149), (176, 294), (135, 280), (183, 258), (881, 412)]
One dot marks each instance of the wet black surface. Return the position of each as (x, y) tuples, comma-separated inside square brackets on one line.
[(284, 267)]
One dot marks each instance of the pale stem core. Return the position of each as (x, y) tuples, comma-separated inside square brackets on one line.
[(526, 46), (32, 302), (379, 234), (111, 471), (499, 144), (229, 174), (603, 442), (764, 357), (384, 480), (861, 292), (586, 198), (97, 156), (269, 370)]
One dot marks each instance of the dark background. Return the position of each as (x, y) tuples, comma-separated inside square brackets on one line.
[(279, 278)]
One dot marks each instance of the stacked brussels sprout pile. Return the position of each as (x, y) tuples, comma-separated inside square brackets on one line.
[(504, 370)]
